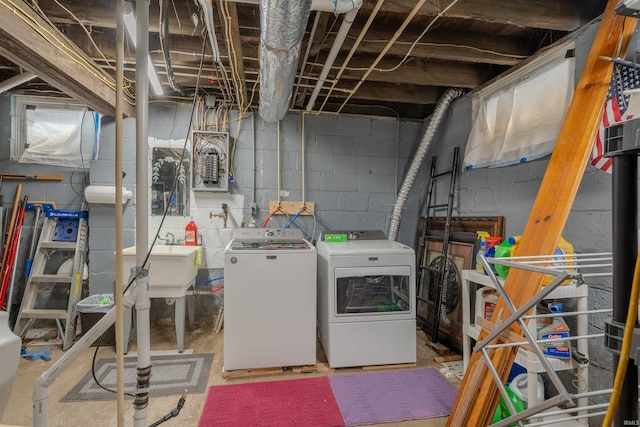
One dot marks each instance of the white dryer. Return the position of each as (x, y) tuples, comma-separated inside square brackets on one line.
[(366, 299), (269, 299)]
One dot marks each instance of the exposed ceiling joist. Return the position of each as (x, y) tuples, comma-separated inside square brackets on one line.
[(30, 42), (547, 14), (473, 42)]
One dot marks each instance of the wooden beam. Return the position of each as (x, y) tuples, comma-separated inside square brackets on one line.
[(562, 15), (393, 92), (461, 46), (438, 43), (475, 404), (416, 72), (101, 14), (421, 72), (30, 42)]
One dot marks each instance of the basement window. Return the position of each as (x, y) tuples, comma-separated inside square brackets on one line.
[(518, 118), (53, 131)]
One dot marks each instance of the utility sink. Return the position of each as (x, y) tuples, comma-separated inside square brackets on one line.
[(172, 269)]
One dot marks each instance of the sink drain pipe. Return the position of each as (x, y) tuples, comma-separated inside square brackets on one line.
[(445, 100)]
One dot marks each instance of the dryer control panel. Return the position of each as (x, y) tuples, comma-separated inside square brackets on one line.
[(350, 235)]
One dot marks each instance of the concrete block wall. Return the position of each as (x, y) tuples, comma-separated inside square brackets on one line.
[(353, 166)]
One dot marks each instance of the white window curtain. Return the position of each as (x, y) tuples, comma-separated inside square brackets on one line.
[(519, 118)]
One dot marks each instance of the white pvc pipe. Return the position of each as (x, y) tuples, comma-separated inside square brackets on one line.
[(119, 288), (17, 80), (336, 6), (348, 19), (278, 154), (352, 52), (142, 185), (41, 391), (303, 143)]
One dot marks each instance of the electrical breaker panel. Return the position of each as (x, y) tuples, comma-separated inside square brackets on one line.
[(210, 160)]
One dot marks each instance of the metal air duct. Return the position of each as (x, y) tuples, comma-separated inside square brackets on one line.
[(282, 23), (445, 100)]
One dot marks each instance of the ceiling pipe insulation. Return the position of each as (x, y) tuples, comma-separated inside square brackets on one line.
[(282, 24), (445, 100)]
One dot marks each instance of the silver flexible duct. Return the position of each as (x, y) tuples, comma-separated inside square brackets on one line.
[(283, 23), (443, 103)]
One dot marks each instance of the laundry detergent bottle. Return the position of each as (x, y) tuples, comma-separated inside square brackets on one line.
[(506, 249), (557, 331)]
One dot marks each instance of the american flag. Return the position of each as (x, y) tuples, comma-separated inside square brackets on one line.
[(615, 110)]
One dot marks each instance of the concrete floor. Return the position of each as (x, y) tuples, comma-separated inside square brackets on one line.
[(103, 413)]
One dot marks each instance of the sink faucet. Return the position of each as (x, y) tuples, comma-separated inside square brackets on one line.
[(173, 238)]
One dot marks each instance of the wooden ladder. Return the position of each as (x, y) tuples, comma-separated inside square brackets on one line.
[(66, 232), (478, 394)]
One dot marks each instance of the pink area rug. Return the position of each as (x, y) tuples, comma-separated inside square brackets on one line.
[(307, 402)]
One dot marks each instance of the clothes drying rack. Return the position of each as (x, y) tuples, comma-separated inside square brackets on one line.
[(563, 269)]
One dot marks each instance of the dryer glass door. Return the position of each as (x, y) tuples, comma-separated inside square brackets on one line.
[(380, 291)]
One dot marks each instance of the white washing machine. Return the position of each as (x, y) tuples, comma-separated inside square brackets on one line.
[(269, 299), (366, 299)]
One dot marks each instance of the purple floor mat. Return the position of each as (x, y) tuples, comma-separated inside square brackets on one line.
[(383, 397)]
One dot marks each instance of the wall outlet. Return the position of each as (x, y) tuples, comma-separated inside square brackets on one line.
[(254, 209)]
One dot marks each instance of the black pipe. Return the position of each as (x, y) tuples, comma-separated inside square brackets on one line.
[(625, 249)]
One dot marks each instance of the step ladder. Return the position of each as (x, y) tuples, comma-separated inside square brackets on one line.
[(436, 270), (52, 292)]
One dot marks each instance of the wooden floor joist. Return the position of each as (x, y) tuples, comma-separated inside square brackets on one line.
[(478, 395)]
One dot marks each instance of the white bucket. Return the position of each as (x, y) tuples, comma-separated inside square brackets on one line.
[(486, 299)]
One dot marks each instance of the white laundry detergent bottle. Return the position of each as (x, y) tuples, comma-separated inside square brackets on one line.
[(520, 386)]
